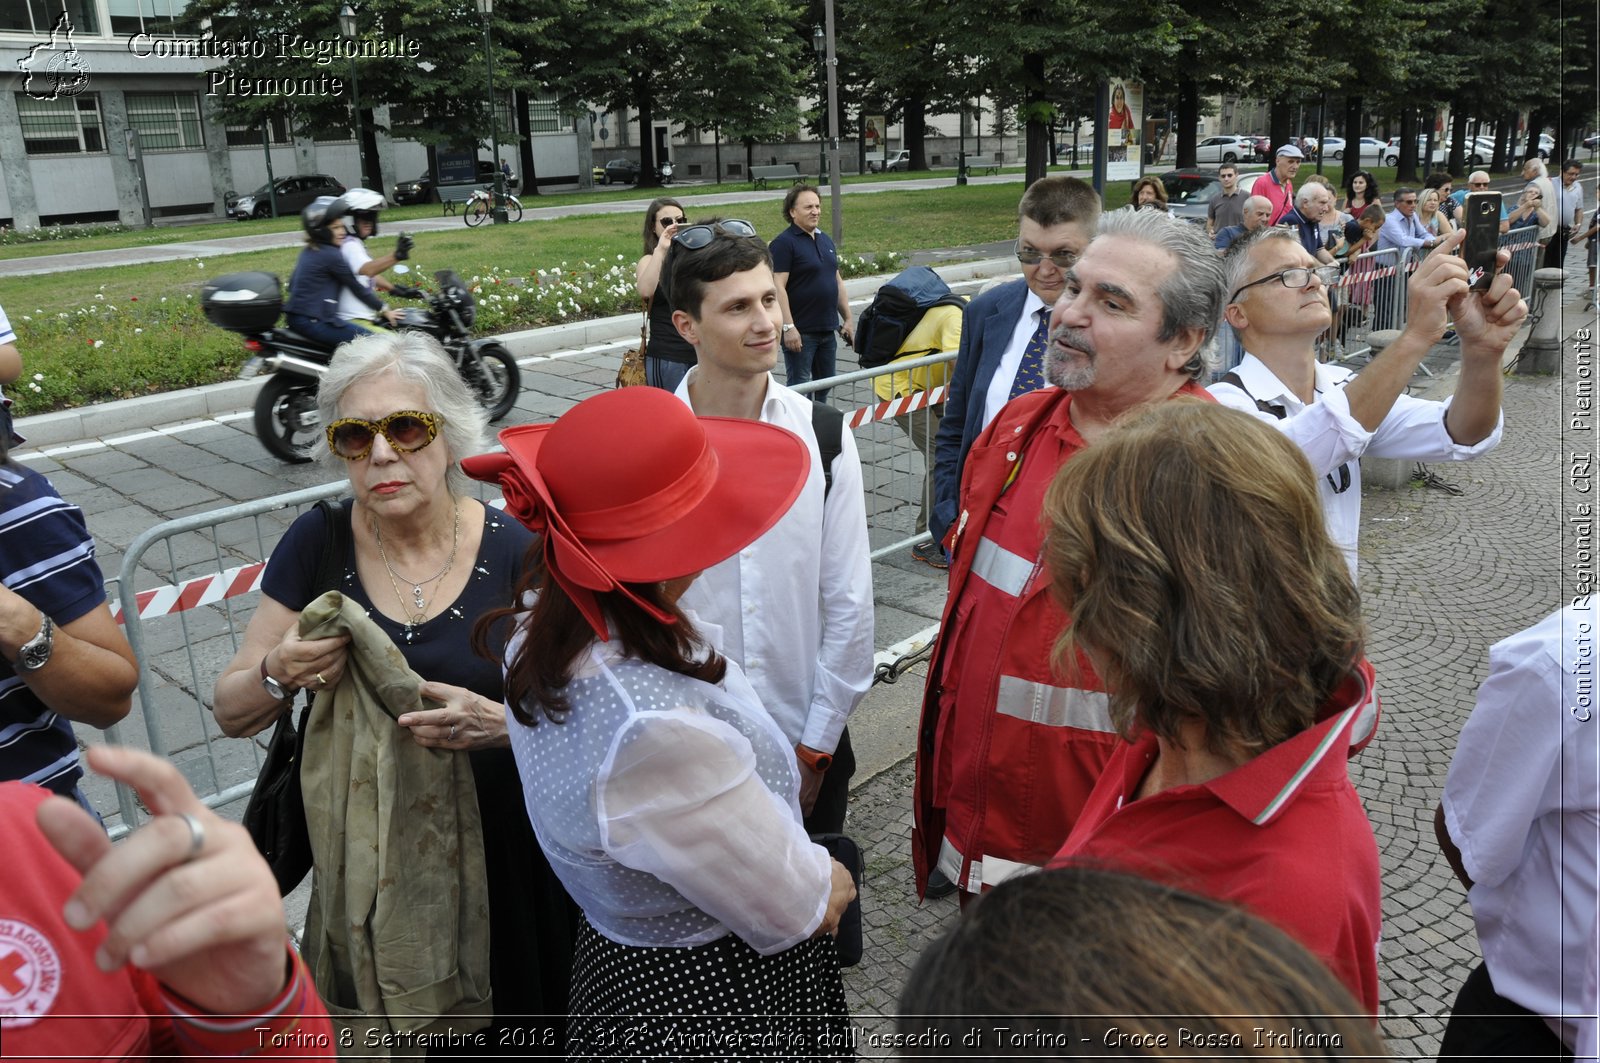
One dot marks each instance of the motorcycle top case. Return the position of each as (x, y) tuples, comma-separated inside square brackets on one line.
[(243, 302)]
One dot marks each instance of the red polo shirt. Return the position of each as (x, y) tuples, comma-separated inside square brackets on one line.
[(1282, 836)]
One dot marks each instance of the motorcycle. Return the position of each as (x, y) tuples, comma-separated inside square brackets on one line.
[(286, 418), (664, 172)]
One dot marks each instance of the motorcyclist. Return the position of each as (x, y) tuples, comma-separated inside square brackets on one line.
[(360, 226), (321, 274)]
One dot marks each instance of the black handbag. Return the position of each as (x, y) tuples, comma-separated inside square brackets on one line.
[(848, 941), (276, 813)]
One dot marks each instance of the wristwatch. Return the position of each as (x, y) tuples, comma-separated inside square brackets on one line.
[(35, 653), (273, 687), (787, 325), (817, 762)]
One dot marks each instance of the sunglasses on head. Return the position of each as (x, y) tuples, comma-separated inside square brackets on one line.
[(697, 236), (663, 220), (407, 431)]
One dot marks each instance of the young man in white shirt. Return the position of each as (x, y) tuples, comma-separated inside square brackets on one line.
[(363, 225), (1278, 306), (795, 607)]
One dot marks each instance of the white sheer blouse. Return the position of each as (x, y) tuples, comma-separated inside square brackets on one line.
[(669, 808)]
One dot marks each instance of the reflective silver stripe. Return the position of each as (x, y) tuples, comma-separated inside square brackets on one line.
[(1051, 706), (985, 871), (1002, 569), (1366, 719)]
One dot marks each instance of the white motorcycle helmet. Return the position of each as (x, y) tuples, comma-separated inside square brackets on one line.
[(363, 204)]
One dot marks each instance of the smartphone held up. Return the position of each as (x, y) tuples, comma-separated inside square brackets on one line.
[(1482, 244)]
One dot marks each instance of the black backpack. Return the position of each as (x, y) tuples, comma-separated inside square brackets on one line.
[(896, 309)]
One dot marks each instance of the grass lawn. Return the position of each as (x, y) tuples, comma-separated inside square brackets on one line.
[(122, 331)]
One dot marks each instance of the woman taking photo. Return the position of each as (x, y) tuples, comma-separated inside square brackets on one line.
[(667, 357), (663, 793), (1360, 191), (424, 561)]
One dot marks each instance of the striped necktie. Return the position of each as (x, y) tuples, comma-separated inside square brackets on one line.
[(1030, 374)]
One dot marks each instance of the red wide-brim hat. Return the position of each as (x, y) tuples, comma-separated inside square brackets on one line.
[(629, 486)]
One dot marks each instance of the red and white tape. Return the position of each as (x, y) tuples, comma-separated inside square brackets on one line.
[(202, 590), (917, 400)]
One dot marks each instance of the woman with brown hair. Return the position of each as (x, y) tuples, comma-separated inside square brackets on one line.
[(667, 357), (1149, 193), (1191, 551), (664, 795)]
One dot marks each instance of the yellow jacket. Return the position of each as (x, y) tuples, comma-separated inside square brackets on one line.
[(939, 330)]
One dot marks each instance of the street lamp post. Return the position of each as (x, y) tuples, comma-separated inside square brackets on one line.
[(485, 9), (348, 29), (819, 44)]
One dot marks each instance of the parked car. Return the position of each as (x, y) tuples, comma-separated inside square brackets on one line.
[(1391, 151), (421, 190), (1225, 149), (1189, 191), (1333, 148), (617, 172), (293, 195), (1592, 141), (898, 162), (1263, 147)]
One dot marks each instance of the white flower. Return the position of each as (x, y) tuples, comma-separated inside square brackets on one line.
[(138, 331), (99, 344), (38, 376), (35, 387)]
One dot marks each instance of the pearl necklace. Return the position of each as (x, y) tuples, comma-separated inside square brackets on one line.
[(419, 601)]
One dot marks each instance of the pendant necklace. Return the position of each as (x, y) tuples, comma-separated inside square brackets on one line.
[(417, 610)]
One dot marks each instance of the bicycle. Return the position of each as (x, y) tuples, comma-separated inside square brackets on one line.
[(480, 207)]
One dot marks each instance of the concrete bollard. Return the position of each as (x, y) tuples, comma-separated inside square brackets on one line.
[(1541, 351), (1385, 472)]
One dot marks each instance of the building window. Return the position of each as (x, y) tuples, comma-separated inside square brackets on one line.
[(167, 17), (249, 136), (39, 16), (545, 116), (166, 120), (61, 127)]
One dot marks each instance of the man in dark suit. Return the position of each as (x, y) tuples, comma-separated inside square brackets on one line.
[(1004, 333)]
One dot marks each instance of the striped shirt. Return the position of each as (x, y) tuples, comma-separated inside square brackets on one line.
[(46, 557)]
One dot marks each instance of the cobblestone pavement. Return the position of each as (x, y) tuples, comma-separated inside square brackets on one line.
[(1443, 577)]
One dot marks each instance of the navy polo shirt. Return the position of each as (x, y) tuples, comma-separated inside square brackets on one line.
[(812, 264)]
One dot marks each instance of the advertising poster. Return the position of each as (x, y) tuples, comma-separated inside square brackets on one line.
[(877, 144), (1124, 120)]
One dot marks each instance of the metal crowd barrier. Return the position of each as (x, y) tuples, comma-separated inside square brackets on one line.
[(206, 573)]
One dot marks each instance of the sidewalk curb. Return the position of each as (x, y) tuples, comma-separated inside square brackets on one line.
[(146, 412)]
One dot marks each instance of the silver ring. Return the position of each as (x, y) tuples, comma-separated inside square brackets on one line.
[(197, 835), (321, 682), (451, 736)]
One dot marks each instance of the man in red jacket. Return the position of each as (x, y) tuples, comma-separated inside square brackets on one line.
[(1006, 756), (171, 943)]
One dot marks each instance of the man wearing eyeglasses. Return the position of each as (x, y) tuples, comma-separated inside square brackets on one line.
[(1005, 330), (1401, 228), (1008, 749), (1279, 306)]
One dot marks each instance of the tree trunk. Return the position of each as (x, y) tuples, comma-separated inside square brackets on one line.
[(369, 165), (1459, 156), (916, 124), (716, 150), (1502, 143), (1036, 142), (1352, 135), (1280, 120), (644, 102), (525, 168), (1188, 120), (1406, 173)]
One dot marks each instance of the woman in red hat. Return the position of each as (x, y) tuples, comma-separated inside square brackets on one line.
[(663, 794)]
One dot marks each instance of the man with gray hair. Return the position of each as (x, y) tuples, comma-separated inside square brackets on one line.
[(1257, 209), (1313, 205), (1278, 305), (1537, 175), (1006, 755)]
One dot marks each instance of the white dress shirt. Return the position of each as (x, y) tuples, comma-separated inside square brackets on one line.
[(1330, 437), (1522, 803), (1005, 374), (1571, 203), (795, 606)]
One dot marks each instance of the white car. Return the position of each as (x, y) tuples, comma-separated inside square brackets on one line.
[(1225, 149), (900, 160), (1333, 147)]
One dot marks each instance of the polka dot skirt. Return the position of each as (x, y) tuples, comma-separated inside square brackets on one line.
[(715, 1001)]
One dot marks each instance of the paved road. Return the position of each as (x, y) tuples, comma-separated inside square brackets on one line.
[(1443, 577)]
